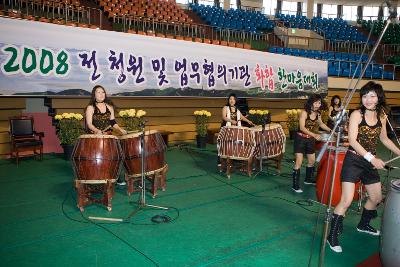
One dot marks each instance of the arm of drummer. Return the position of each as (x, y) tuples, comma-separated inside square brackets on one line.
[(225, 118), (354, 121), (89, 120), (385, 139), (323, 125), (246, 119), (116, 126), (330, 112), (302, 125)]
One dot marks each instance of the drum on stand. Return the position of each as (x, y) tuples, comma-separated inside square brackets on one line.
[(235, 143), (96, 162), (155, 166), (390, 237), (325, 167), (270, 142)]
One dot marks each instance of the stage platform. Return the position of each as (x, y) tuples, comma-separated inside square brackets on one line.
[(244, 221)]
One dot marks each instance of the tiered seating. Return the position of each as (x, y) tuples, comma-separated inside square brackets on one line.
[(293, 21), (159, 10), (340, 64), (334, 29), (338, 30), (236, 19), (392, 34)]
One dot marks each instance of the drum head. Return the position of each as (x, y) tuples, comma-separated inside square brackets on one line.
[(396, 185), (97, 136)]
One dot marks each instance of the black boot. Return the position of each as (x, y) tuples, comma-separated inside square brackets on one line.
[(309, 175), (333, 238), (296, 181), (363, 225)]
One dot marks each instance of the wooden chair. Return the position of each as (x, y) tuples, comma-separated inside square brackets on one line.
[(24, 138)]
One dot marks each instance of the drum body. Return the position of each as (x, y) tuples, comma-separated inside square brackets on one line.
[(96, 157), (325, 167), (235, 142), (154, 152), (270, 141), (390, 237)]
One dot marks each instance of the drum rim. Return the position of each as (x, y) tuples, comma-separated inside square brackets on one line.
[(83, 136), (396, 184), (137, 134), (269, 126)]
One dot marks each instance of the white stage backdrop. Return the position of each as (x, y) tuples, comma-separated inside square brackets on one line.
[(45, 59)]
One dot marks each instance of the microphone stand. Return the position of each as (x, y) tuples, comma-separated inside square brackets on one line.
[(262, 148), (142, 201), (338, 122)]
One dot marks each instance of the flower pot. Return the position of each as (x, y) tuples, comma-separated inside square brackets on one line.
[(68, 149), (201, 141)]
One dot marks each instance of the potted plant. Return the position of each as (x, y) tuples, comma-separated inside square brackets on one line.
[(69, 128), (260, 117), (133, 120), (293, 121), (201, 119)]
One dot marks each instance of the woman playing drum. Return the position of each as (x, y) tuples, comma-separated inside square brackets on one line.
[(231, 115), (100, 113), (367, 125), (334, 109), (304, 142)]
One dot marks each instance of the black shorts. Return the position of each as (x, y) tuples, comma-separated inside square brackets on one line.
[(304, 145), (356, 168)]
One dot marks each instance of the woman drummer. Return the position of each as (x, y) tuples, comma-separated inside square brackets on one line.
[(231, 115), (366, 126), (304, 143), (100, 118), (333, 110)]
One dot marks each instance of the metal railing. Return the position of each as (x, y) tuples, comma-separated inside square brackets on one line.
[(54, 10), (191, 30), (389, 50)]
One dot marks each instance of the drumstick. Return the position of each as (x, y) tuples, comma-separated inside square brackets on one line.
[(106, 219), (398, 157), (107, 128)]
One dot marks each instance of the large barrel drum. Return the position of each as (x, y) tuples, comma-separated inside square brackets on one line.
[(154, 151), (325, 169), (236, 142), (390, 238), (97, 157)]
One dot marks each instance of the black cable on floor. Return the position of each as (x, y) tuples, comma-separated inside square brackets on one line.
[(301, 203)]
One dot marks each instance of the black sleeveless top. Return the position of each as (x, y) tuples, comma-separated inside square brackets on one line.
[(368, 136), (334, 112), (101, 120), (312, 125), (233, 116)]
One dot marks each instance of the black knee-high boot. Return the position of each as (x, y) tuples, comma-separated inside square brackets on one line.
[(363, 225), (296, 181), (336, 228), (309, 175)]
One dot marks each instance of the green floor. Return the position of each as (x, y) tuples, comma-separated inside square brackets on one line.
[(216, 222)]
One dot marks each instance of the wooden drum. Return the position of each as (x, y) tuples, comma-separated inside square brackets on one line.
[(155, 167), (96, 162), (154, 152), (96, 158), (236, 143), (270, 142)]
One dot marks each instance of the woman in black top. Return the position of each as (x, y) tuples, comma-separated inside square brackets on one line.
[(304, 143), (334, 109), (100, 116), (367, 126)]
